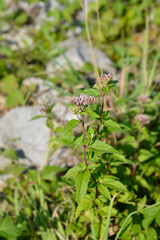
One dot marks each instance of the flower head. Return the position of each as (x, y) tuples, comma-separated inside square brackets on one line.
[(81, 103), (143, 118), (143, 98), (44, 106), (104, 79)]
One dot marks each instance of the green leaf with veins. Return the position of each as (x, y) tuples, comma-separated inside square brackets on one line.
[(103, 147), (82, 184)]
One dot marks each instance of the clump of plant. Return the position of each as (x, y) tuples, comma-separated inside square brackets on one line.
[(95, 183)]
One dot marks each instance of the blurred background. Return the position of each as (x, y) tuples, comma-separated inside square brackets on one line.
[(49, 50), (45, 53)]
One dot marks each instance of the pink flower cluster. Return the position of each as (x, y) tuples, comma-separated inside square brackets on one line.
[(105, 77), (81, 103), (143, 98), (43, 106), (143, 118)]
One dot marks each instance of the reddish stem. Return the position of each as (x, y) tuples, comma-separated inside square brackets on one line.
[(135, 156), (99, 123), (84, 150)]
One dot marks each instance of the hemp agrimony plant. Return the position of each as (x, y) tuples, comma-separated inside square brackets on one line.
[(94, 179)]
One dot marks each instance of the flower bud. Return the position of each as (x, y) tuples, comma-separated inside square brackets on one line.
[(143, 118)]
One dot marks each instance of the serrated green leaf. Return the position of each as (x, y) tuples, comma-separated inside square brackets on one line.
[(82, 184), (69, 126), (67, 140), (151, 234), (144, 155), (140, 236), (85, 204), (101, 146), (104, 191), (92, 114), (8, 229), (158, 218), (136, 228), (89, 91), (78, 140), (111, 124), (119, 157), (71, 172), (150, 215), (114, 184)]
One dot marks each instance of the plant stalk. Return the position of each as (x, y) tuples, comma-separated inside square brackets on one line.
[(135, 156), (84, 151), (100, 121)]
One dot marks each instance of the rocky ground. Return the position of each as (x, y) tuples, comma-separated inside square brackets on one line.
[(30, 138)]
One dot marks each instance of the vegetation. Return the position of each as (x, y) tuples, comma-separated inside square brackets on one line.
[(113, 192)]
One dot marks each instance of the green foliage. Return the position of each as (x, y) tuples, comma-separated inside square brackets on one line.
[(9, 153), (82, 184), (85, 204), (102, 147), (114, 184), (150, 215), (44, 204), (8, 229), (104, 191), (69, 126)]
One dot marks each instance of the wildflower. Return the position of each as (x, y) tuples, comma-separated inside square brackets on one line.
[(104, 79), (143, 98), (44, 107), (81, 103), (143, 118)]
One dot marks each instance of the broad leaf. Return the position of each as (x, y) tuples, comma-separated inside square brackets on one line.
[(92, 114), (71, 172), (119, 157), (114, 184), (101, 146), (69, 126), (8, 229), (111, 124), (104, 191), (151, 234), (140, 236), (85, 204), (89, 91), (82, 184), (66, 140), (150, 215)]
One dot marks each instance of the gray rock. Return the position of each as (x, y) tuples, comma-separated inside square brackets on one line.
[(30, 138), (60, 110), (78, 53)]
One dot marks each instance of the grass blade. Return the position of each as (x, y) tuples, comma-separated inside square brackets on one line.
[(108, 217), (122, 227)]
